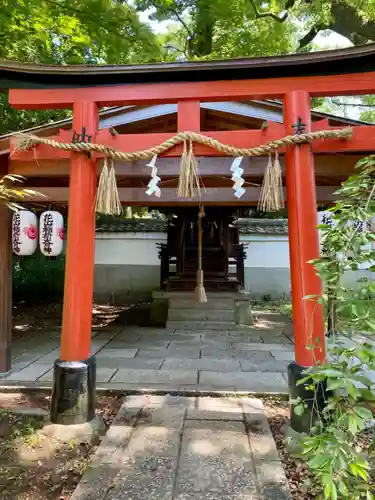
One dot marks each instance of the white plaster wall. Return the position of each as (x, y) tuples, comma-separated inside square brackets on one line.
[(266, 250), (140, 249), (134, 249), (267, 265), (128, 263)]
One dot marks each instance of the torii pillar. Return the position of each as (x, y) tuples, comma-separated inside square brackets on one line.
[(73, 399), (308, 315)]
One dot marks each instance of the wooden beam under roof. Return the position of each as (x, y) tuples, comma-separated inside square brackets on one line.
[(335, 166), (211, 196)]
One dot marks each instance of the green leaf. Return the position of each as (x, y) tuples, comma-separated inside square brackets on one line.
[(330, 491), (334, 384), (352, 425), (358, 471), (310, 297), (343, 488), (318, 462), (364, 413), (298, 409), (330, 372)]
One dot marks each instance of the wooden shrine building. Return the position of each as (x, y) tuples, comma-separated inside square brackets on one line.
[(312, 168), (220, 246)]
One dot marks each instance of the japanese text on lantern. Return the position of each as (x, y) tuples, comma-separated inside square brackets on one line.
[(16, 233), (47, 229)]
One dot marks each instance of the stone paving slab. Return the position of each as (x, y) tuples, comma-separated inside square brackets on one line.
[(263, 448), (32, 372), (105, 374), (150, 478), (209, 408), (47, 377), (154, 451), (149, 353), (210, 438), (222, 365), (218, 346), (283, 355), (249, 381), (215, 477), (272, 347), (49, 358), (270, 365), (127, 363), (156, 376), (245, 337), (117, 353), (184, 352), (175, 335), (255, 356), (211, 352), (132, 358), (272, 481)]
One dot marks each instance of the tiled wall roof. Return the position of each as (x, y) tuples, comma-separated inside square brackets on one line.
[(262, 226), (245, 226)]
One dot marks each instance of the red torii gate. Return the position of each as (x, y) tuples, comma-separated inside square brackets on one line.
[(82, 90)]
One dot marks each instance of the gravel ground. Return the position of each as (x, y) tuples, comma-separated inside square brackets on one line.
[(34, 466)]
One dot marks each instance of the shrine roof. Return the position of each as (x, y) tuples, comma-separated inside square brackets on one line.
[(359, 59)]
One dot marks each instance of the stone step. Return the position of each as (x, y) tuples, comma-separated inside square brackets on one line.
[(200, 314), (222, 304), (201, 325)]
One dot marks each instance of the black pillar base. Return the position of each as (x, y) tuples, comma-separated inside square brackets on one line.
[(314, 401), (73, 395)]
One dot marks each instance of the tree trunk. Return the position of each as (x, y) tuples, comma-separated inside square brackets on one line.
[(204, 29)]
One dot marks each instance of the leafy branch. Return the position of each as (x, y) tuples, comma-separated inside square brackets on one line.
[(11, 195), (335, 452), (272, 15)]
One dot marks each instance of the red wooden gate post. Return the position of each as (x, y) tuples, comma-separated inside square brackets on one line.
[(74, 373), (308, 315)]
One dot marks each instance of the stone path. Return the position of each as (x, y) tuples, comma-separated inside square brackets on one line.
[(129, 358), (175, 448)]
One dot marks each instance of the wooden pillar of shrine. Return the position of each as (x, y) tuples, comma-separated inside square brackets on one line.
[(74, 377), (5, 289), (308, 315)]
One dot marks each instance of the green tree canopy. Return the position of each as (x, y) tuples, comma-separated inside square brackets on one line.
[(234, 28), (112, 32), (69, 32), (74, 31)]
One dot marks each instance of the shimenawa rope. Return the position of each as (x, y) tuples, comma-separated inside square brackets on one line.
[(189, 183), (28, 141)]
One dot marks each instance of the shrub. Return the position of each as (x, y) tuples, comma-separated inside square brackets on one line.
[(38, 278), (334, 453)]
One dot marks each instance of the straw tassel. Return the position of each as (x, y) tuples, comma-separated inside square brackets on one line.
[(107, 197), (199, 290), (278, 189), (271, 195), (188, 181)]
